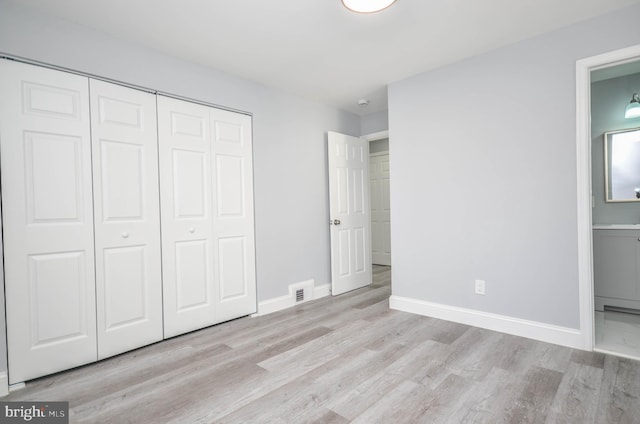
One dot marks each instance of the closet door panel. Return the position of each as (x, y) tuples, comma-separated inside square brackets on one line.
[(124, 272), (122, 176), (186, 206), (234, 261), (57, 276), (127, 223), (192, 275), (47, 220)]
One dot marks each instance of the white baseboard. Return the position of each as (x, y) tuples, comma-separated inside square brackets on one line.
[(274, 305), (321, 291), (289, 300), (563, 336), (4, 384)]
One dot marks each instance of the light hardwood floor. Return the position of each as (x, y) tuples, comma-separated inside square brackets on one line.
[(348, 359)]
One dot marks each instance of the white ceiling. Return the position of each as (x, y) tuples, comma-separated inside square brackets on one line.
[(318, 49)]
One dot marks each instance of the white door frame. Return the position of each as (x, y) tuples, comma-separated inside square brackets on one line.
[(583, 165)]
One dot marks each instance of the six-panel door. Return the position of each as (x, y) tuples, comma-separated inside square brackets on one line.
[(234, 260), (186, 210), (349, 212), (380, 209), (47, 220), (127, 218), (207, 215)]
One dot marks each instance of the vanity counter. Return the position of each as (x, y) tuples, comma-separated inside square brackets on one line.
[(616, 226)]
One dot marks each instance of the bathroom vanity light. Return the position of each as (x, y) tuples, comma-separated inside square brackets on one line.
[(367, 6), (633, 108)]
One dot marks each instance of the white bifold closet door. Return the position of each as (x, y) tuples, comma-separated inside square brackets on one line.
[(127, 218), (48, 220), (207, 215), (233, 231)]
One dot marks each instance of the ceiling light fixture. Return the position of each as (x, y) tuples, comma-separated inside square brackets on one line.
[(633, 108), (367, 6)]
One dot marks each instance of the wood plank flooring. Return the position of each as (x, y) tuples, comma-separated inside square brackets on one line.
[(348, 359)]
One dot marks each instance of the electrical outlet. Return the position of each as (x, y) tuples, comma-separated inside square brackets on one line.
[(480, 287)]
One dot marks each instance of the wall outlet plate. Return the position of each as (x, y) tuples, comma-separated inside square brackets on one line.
[(480, 286)]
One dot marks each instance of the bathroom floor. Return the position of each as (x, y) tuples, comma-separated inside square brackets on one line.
[(618, 333)]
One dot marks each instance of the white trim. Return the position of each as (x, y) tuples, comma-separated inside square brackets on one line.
[(17, 386), (519, 327), (4, 384), (322, 291), (274, 305), (289, 300), (376, 136), (382, 153), (583, 189), (583, 192)]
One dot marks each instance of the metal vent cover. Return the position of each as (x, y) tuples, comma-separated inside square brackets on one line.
[(299, 295)]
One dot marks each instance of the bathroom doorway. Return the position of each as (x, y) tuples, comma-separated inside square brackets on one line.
[(610, 318)]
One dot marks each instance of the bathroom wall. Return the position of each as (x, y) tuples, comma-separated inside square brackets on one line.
[(609, 98)]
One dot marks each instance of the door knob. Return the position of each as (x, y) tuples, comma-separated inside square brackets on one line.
[(192, 230), (125, 235), (336, 222)]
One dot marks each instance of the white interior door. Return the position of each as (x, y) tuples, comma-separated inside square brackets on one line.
[(349, 212), (234, 249), (48, 220), (127, 218), (380, 208), (186, 213)]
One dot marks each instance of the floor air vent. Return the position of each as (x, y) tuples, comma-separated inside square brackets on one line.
[(301, 292)]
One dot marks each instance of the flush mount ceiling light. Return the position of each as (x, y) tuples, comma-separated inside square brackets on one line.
[(367, 6), (633, 108)]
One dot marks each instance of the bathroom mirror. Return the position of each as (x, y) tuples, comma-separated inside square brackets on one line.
[(622, 165)]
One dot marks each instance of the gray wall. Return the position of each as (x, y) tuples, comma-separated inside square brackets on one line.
[(489, 192), (291, 189), (609, 98), (374, 122)]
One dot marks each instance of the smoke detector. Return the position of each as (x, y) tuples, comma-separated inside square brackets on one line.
[(363, 102)]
